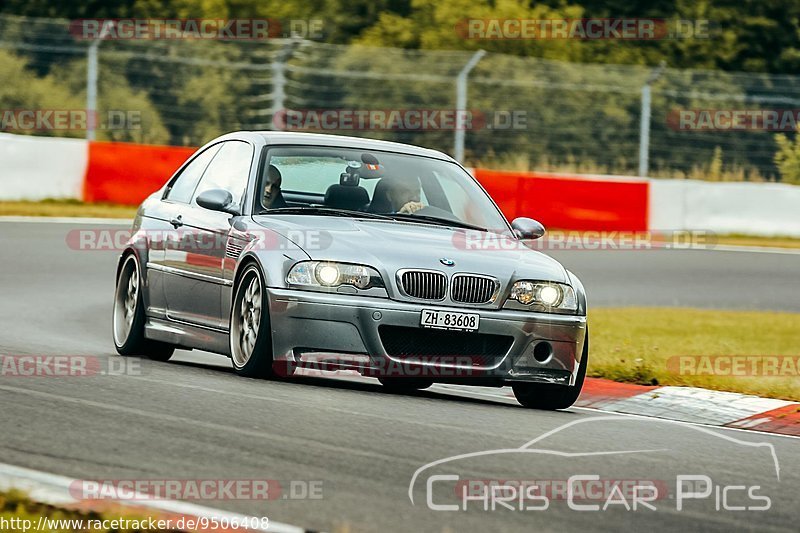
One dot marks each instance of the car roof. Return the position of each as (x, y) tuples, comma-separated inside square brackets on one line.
[(343, 141)]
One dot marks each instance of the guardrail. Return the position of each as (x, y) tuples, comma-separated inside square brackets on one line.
[(35, 168)]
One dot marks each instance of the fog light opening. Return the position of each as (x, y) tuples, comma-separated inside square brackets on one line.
[(542, 351)]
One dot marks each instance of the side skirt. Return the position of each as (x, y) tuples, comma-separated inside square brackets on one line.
[(187, 335)]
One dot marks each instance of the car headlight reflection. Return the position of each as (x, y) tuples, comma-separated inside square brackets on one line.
[(545, 294), (330, 274), (327, 274)]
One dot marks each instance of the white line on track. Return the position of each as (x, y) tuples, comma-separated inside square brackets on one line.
[(68, 220), (127, 222), (55, 490)]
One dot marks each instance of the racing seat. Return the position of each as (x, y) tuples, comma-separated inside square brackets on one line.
[(380, 198), (346, 197)]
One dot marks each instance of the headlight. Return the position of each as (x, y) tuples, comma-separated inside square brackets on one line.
[(329, 274), (548, 295)]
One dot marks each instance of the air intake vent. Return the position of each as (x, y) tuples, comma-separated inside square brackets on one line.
[(444, 347), (424, 284), (233, 249), (470, 289)]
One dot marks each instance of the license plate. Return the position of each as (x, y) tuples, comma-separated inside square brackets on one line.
[(449, 320)]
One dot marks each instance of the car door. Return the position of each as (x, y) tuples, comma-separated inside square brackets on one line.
[(176, 199), (194, 290)]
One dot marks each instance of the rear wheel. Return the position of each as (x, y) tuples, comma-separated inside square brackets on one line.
[(405, 384), (129, 317), (250, 335), (550, 397)]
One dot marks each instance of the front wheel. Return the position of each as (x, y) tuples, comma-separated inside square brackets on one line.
[(250, 335), (129, 317), (551, 397)]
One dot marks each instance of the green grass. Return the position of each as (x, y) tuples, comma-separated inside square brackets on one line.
[(635, 345), (573, 239), (75, 208), (66, 208), (15, 505)]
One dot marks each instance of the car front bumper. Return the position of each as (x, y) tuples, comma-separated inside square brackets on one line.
[(336, 331)]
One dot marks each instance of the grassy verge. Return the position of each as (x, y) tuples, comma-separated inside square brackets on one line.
[(643, 345), (574, 240), (66, 208), (19, 513), (746, 240), (75, 208)]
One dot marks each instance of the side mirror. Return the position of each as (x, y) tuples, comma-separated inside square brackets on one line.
[(218, 200), (527, 228)]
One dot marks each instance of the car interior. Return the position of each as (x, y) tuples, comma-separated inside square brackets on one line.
[(349, 193)]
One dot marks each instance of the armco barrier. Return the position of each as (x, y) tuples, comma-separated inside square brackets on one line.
[(124, 173), (766, 209), (569, 202), (34, 168)]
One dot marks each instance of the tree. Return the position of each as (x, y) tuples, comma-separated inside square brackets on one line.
[(787, 158)]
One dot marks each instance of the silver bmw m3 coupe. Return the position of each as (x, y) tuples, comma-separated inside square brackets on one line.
[(288, 251)]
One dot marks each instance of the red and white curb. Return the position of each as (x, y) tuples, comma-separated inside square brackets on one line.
[(694, 405), (54, 490), (681, 404)]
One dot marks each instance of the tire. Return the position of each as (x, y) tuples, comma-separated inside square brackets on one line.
[(551, 397), (129, 317), (250, 334), (405, 384)]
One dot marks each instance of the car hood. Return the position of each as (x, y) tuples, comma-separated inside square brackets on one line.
[(390, 246)]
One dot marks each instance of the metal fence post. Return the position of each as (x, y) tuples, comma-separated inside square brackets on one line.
[(279, 81), (461, 104), (91, 81), (644, 121)]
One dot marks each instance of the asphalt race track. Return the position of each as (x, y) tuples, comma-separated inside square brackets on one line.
[(192, 418)]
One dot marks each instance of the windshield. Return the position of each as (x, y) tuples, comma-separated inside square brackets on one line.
[(400, 186)]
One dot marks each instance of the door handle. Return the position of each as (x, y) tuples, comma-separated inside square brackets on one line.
[(176, 222)]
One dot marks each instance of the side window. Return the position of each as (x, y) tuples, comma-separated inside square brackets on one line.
[(186, 182), (229, 171)]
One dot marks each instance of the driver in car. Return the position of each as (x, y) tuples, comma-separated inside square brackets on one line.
[(404, 195), (272, 197)]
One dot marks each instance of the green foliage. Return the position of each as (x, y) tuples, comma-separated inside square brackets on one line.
[(22, 89), (579, 115), (787, 158), (748, 35), (64, 88)]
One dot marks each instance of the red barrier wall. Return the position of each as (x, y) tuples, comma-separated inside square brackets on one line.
[(125, 173), (568, 202)]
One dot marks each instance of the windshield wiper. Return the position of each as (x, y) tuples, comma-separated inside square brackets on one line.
[(436, 220), (330, 211)]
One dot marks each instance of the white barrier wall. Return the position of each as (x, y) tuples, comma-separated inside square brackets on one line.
[(35, 168), (765, 209)]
